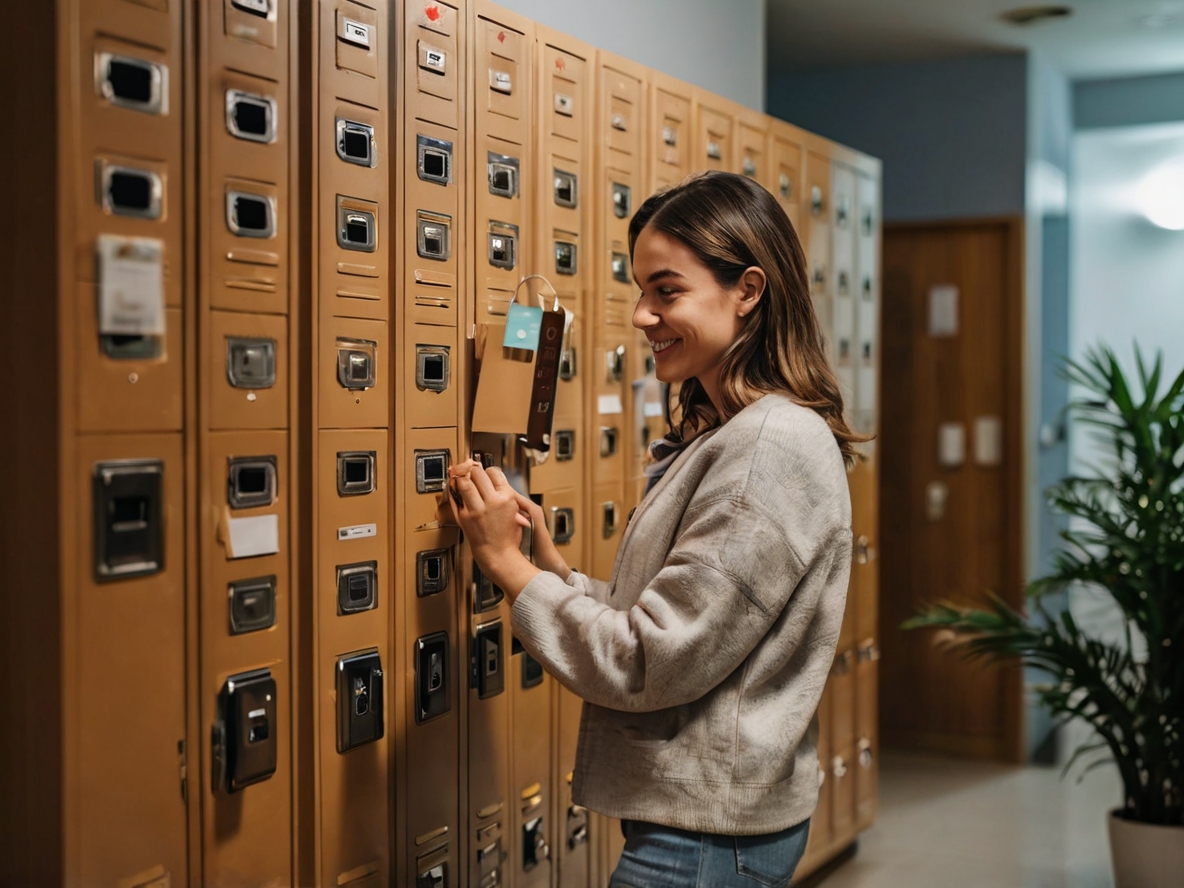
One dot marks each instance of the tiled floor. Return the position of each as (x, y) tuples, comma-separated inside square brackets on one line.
[(948, 823)]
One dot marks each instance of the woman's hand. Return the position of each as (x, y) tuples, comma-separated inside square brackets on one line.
[(546, 555), (490, 515)]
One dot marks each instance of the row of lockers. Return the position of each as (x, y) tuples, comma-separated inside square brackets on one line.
[(280, 229)]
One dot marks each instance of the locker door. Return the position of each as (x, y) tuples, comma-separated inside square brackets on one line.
[(670, 133), (817, 239), (714, 135), (843, 332), (752, 146), (786, 173)]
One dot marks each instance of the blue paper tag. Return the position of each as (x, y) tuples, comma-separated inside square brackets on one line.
[(522, 327)]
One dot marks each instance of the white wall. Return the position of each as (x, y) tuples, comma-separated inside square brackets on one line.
[(719, 46), (1127, 274)]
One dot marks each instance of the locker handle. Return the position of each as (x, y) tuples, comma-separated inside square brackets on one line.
[(619, 123), (869, 653), (865, 753), (838, 767), (862, 550)]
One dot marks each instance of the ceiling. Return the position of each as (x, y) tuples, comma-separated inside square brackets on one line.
[(1101, 39)]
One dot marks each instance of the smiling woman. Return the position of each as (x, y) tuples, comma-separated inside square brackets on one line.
[(703, 659)]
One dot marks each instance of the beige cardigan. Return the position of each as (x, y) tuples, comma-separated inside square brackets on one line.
[(703, 660)]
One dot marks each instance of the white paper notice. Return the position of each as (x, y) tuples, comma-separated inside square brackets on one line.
[(608, 405), (951, 444), (131, 286), (357, 532), (653, 409), (254, 536), (943, 310), (988, 441)]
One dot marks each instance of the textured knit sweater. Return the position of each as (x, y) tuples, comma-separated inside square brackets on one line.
[(702, 662)]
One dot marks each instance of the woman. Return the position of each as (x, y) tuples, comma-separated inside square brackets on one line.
[(703, 660)]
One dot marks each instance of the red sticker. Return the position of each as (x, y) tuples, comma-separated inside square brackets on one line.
[(561, 64), (501, 36), (432, 12)]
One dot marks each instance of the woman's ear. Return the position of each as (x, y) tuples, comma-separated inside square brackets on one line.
[(752, 288)]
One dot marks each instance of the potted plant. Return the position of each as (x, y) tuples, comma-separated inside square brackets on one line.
[(1126, 536)]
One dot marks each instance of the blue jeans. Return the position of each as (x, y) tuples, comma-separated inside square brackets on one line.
[(663, 857)]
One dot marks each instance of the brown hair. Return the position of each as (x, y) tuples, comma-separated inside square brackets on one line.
[(731, 223)]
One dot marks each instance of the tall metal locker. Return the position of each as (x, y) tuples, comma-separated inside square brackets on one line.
[(97, 329)]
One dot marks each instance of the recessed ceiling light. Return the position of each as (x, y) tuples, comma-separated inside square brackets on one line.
[(1027, 15)]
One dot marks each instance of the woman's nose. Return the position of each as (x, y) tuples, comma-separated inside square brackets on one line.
[(643, 316)]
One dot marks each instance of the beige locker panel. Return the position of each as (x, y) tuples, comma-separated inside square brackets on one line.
[(714, 138), (246, 832), (534, 835), (354, 374), (146, 21), (251, 41), (564, 467), (501, 230), (573, 845), (121, 385), (863, 480), (428, 454), (841, 687), (490, 796), (432, 247), (671, 144), (817, 241), (432, 680), (564, 510), (430, 385), (842, 793), (432, 62), (247, 251), (131, 195), (611, 425), (820, 828), (353, 479), (786, 175), (502, 73), (620, 197), (129, 107), (247, 365), (621, 94), (565, 92), (843, 255), (249, 123), (562, 258), (130, 808), (752, 147), (607, 514), (359, 37), (868, 310), (356, 226), (867, 750)]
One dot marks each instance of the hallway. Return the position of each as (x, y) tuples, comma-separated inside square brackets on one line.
[(948, 822)]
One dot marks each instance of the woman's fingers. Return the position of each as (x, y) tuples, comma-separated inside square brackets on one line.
[(481, 481), (498, 478), (469, 494)]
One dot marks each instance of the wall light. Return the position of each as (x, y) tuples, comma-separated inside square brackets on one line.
[(1161, 195)]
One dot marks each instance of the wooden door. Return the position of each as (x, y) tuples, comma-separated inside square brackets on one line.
[(951, 528)]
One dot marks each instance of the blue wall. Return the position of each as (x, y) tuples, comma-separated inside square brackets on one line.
[(1130, 101), (951, 133)]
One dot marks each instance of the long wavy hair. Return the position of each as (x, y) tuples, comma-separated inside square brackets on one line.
[(731, 223)]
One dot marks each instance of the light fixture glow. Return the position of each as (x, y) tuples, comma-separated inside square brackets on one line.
[(1161, 195)]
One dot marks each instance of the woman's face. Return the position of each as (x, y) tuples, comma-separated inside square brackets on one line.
[(688, 318)]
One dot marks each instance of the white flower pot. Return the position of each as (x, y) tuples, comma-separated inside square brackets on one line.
[(1146, 855)]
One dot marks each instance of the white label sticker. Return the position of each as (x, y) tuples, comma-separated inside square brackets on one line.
[(259, 535), (951, 444), (609, 405), (653, 409), (356, 33), (943, 310), (131, 286), (357, 532), (988, 440), (434, 58), (257, 713)]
